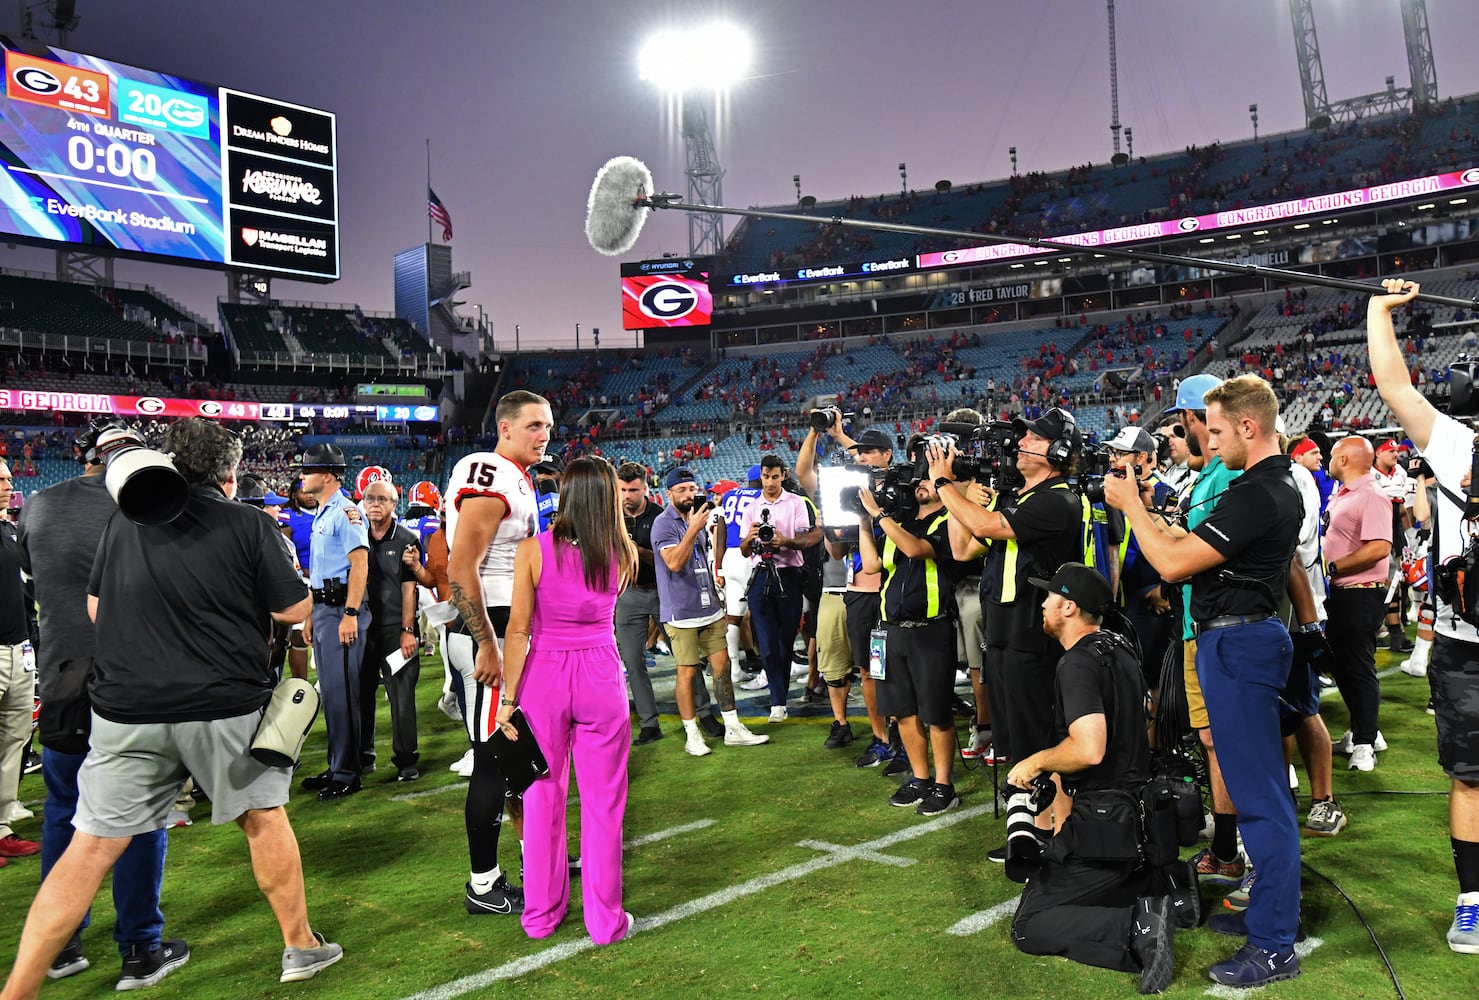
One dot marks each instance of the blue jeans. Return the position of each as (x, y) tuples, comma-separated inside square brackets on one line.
[(1242, 669), (137, 873), (775, 619)]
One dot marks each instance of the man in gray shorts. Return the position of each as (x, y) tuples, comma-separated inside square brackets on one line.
[(179, 688)]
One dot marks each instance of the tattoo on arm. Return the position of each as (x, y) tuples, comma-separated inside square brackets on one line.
[(474, 616), (724, 692)]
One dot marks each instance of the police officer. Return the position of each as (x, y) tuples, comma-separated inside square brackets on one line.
[(340, 566), (1077, 903), (1239, 560), (918, 602), (1453, 671)]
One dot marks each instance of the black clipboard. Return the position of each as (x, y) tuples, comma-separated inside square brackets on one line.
[(520, 761)]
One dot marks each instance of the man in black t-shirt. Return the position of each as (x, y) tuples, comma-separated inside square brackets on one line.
[(1027, 532), (918, 604), (390, 590), (1238, 560), (179, 687), (638, 605), (1081, 905)]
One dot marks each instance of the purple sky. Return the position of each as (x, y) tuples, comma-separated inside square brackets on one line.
[(524, 101)]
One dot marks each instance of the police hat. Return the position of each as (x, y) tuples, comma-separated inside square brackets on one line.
[(1083, 585), (323, 456)]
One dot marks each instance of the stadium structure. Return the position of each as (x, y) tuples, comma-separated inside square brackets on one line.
[(894, 329)]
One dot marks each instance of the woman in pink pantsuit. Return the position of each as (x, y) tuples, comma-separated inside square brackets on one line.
[(561, 666)]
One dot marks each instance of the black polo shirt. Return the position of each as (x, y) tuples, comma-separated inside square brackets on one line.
[(184, 612), (1110, 684), (639, 529), (1048, 521), (1255, 527), (14, 616), (915, 590), (387, 573)]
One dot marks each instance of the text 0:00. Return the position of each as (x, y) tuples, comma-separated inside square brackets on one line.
[(120, 160)]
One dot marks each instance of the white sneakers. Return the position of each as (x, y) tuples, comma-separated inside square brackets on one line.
[(464, 765), (1347, 743), (778, 713), (738, 735), (756, 683), (1416, 665), (695, 746), (1363, 757)]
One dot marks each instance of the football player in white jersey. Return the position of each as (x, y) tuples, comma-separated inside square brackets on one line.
[(491, 508)]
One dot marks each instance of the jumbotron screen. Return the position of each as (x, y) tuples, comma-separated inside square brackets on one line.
[(103, 155), (656, 294)]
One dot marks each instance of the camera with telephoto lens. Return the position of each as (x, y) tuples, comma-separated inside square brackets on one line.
[(765, 531), (144, 483), (1024, 850), (826, 417), (1096, 466), (986, 453)]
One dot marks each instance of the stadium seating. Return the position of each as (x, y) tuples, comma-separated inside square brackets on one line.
[(42, 306)]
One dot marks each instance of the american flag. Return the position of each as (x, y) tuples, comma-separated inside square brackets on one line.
[(439, 214)]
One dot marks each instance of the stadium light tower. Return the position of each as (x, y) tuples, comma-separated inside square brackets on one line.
[(693, 66)]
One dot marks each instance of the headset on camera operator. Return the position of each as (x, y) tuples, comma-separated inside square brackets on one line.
[(1090, 896), (1453, 669), (916, 682), (1032, 529)]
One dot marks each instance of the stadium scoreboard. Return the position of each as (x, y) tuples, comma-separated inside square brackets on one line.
[(107, 156)]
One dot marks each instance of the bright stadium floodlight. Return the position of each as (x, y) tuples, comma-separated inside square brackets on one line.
[(710, 58)]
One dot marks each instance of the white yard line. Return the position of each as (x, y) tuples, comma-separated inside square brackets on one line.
[(713, 901), (672, 831), (977, 922)]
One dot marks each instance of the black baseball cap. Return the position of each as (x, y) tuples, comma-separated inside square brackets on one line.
[(1083, 585), (678, 475), (1052, 425), (873, 438)]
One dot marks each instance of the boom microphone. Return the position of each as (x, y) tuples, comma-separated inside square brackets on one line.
[(618, 205), (622, 195)]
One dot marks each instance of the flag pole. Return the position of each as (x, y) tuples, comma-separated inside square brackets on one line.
[(428, 188)]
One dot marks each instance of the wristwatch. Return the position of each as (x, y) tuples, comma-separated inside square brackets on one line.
[(942, 482), (1330, 570), (352, 612), (408, 629)]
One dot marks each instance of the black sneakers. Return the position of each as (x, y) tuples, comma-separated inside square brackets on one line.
[(648, 734), (338, 790), (317, 782), (1151, 939), (502, 898), (71, 960), (910, 793), (712, 727), (898, 765), (839, 737), (938, 799), (143, 968)]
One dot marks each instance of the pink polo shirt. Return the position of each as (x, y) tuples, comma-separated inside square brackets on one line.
[(1359, 513), (791, 516)]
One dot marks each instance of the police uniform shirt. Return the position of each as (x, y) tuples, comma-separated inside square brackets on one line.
[(489, 474), (916, 590), (1048, 521), (183, 609), (1450, 452), (335, 534), (639, 530), (1255, 528), (1090, 684), (388, 572)]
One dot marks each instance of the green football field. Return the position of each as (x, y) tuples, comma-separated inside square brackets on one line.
[(774, 871)]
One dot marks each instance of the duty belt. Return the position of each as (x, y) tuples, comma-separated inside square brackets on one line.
[(1226, 621)]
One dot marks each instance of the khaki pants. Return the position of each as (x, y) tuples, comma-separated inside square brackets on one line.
[(17, 698)]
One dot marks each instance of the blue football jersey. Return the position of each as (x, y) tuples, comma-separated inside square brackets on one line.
[(734, 505)]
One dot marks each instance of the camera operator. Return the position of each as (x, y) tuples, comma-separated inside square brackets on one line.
[(1453, 668), (691, 610), (1178, 472), (1239, 560), (1093, 905), (1031, 530), (970, 631), (638, 604), (340, 565), (775, 530), (918, 603), (59, 532), (859, 601), (179, 687), (391, 597)]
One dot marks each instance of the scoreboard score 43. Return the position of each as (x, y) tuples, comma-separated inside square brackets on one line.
[(106, 155)]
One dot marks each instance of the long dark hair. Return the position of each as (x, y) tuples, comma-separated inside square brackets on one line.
[(590, 519)]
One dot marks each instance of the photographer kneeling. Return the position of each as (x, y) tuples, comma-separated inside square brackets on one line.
[(1087, 901)]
